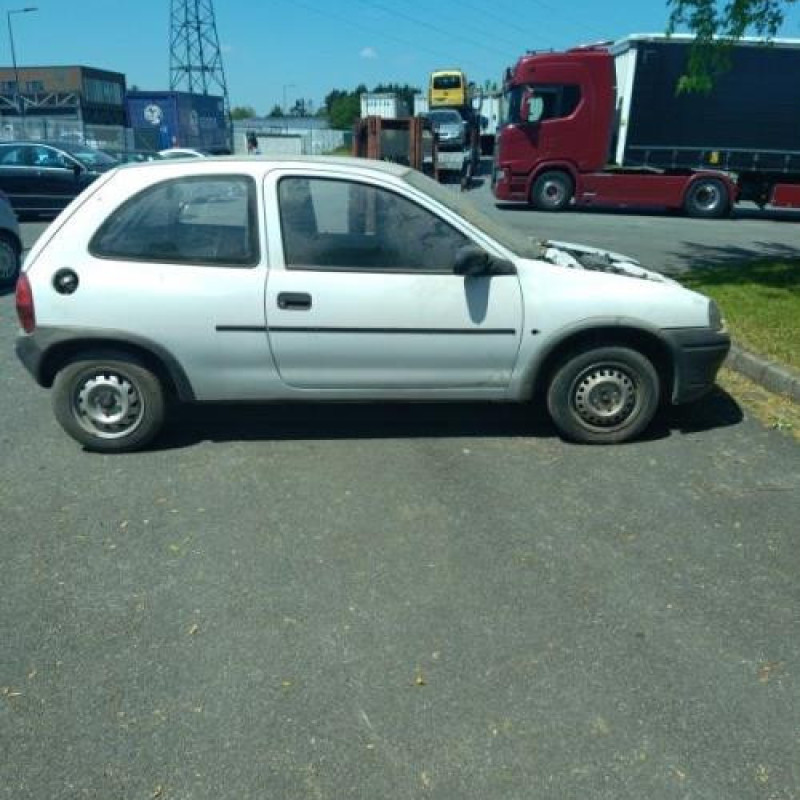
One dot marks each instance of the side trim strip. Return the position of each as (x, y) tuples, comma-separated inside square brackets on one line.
[(415, 331)]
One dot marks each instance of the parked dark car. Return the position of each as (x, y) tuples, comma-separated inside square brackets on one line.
[(41, 178), (10, 244)]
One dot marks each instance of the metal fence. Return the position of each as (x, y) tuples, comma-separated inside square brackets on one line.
[(68, 131)]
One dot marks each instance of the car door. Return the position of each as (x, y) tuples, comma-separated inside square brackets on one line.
[(56, 176), (362, 294), (16, 174)]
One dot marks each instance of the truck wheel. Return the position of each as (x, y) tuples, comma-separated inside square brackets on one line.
[(109, 405), (707, 198), (552, 191), (605, 395)]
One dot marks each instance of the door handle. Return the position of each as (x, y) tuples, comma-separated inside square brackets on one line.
[(294, 301)]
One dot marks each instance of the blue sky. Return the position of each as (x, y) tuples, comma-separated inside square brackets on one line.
[(312, 46)]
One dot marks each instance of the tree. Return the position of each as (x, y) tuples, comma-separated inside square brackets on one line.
[(243, 112), (716, 28)]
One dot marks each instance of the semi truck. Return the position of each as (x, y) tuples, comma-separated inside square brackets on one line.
[(605, 125)]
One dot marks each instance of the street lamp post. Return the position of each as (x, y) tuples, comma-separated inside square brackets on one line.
[(19, 103)]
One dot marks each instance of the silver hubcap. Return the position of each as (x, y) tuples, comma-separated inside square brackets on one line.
[(108, 405), (708, 197), (604, 396), (553, 193)]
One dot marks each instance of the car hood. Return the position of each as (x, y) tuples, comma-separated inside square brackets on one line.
[(578, 256)]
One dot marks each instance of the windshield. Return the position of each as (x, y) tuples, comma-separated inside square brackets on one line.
[(513, 104), (518, 243), (444, 117), (92, 158), (447, 82)]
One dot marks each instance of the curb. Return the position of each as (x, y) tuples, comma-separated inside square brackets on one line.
[(772, 375)]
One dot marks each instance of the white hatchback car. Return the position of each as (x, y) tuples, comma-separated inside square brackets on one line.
[(339, 279)]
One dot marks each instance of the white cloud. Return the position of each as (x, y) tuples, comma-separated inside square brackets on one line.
[(369, 52)]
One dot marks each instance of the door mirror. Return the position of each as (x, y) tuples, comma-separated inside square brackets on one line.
[(472, 261)]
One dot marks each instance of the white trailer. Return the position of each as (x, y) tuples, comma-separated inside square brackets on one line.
[(386, 105)]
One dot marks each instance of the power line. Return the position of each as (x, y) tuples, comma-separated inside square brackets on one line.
[(371, 31), (428, 25)]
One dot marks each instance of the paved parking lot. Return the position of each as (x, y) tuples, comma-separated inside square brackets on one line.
[(402, 601)]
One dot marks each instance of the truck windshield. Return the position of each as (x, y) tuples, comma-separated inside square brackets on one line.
[(518, 243)]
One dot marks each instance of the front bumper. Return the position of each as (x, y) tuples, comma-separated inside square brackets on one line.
[(697, 354), (507, 187)]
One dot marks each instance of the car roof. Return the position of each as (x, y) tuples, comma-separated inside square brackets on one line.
[(387, 167)]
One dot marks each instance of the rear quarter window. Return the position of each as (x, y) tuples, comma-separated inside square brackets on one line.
[(203, 220)]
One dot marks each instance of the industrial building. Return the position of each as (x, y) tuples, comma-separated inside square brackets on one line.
[(69, 102)]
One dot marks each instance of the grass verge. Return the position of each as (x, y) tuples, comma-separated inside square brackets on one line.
[(773, 410), (760, 301)]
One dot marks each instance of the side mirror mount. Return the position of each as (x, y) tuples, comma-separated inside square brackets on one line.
[(472, 261)]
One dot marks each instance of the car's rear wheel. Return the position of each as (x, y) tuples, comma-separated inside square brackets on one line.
[(9, 261), (109, 404), (604, 395)]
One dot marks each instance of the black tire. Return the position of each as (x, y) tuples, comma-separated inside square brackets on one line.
[(110, 404), (9, 260), (707, 198), (604, 396), (552, 191)]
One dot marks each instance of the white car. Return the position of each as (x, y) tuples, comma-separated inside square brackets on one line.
[(231, 279), (182, 152)]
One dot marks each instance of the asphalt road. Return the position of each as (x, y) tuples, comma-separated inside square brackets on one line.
[(399, 602)]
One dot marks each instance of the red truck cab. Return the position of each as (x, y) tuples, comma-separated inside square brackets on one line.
[(559, 109)]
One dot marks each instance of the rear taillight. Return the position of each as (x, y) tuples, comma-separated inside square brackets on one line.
[(25, 310)]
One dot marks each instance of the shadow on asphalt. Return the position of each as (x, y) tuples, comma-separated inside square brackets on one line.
[(703, 256), (337, 421), (6, 290)]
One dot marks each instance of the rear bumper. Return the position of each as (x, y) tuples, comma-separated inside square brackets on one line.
[(698, 354), (31, 355)]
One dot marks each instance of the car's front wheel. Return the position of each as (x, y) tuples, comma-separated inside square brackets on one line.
[(604, 395), (109, 404)]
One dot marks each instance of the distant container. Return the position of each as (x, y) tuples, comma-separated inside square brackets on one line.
[(421, 104), (177, 119), (386, 105)]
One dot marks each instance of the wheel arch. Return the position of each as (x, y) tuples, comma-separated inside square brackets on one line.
[(552, 166), (155, 358), (730, 185), (602, 334)]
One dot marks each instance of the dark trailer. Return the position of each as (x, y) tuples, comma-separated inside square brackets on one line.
[(749, 123)]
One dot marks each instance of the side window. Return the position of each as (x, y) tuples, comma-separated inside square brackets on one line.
[(12, 155), (336, 224), (541, 103), (197, 220), (47, 157)]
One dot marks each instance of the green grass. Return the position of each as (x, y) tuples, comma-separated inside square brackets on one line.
[(760, 301)]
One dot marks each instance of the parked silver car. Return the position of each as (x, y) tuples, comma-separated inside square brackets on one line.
[(255, 279)]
